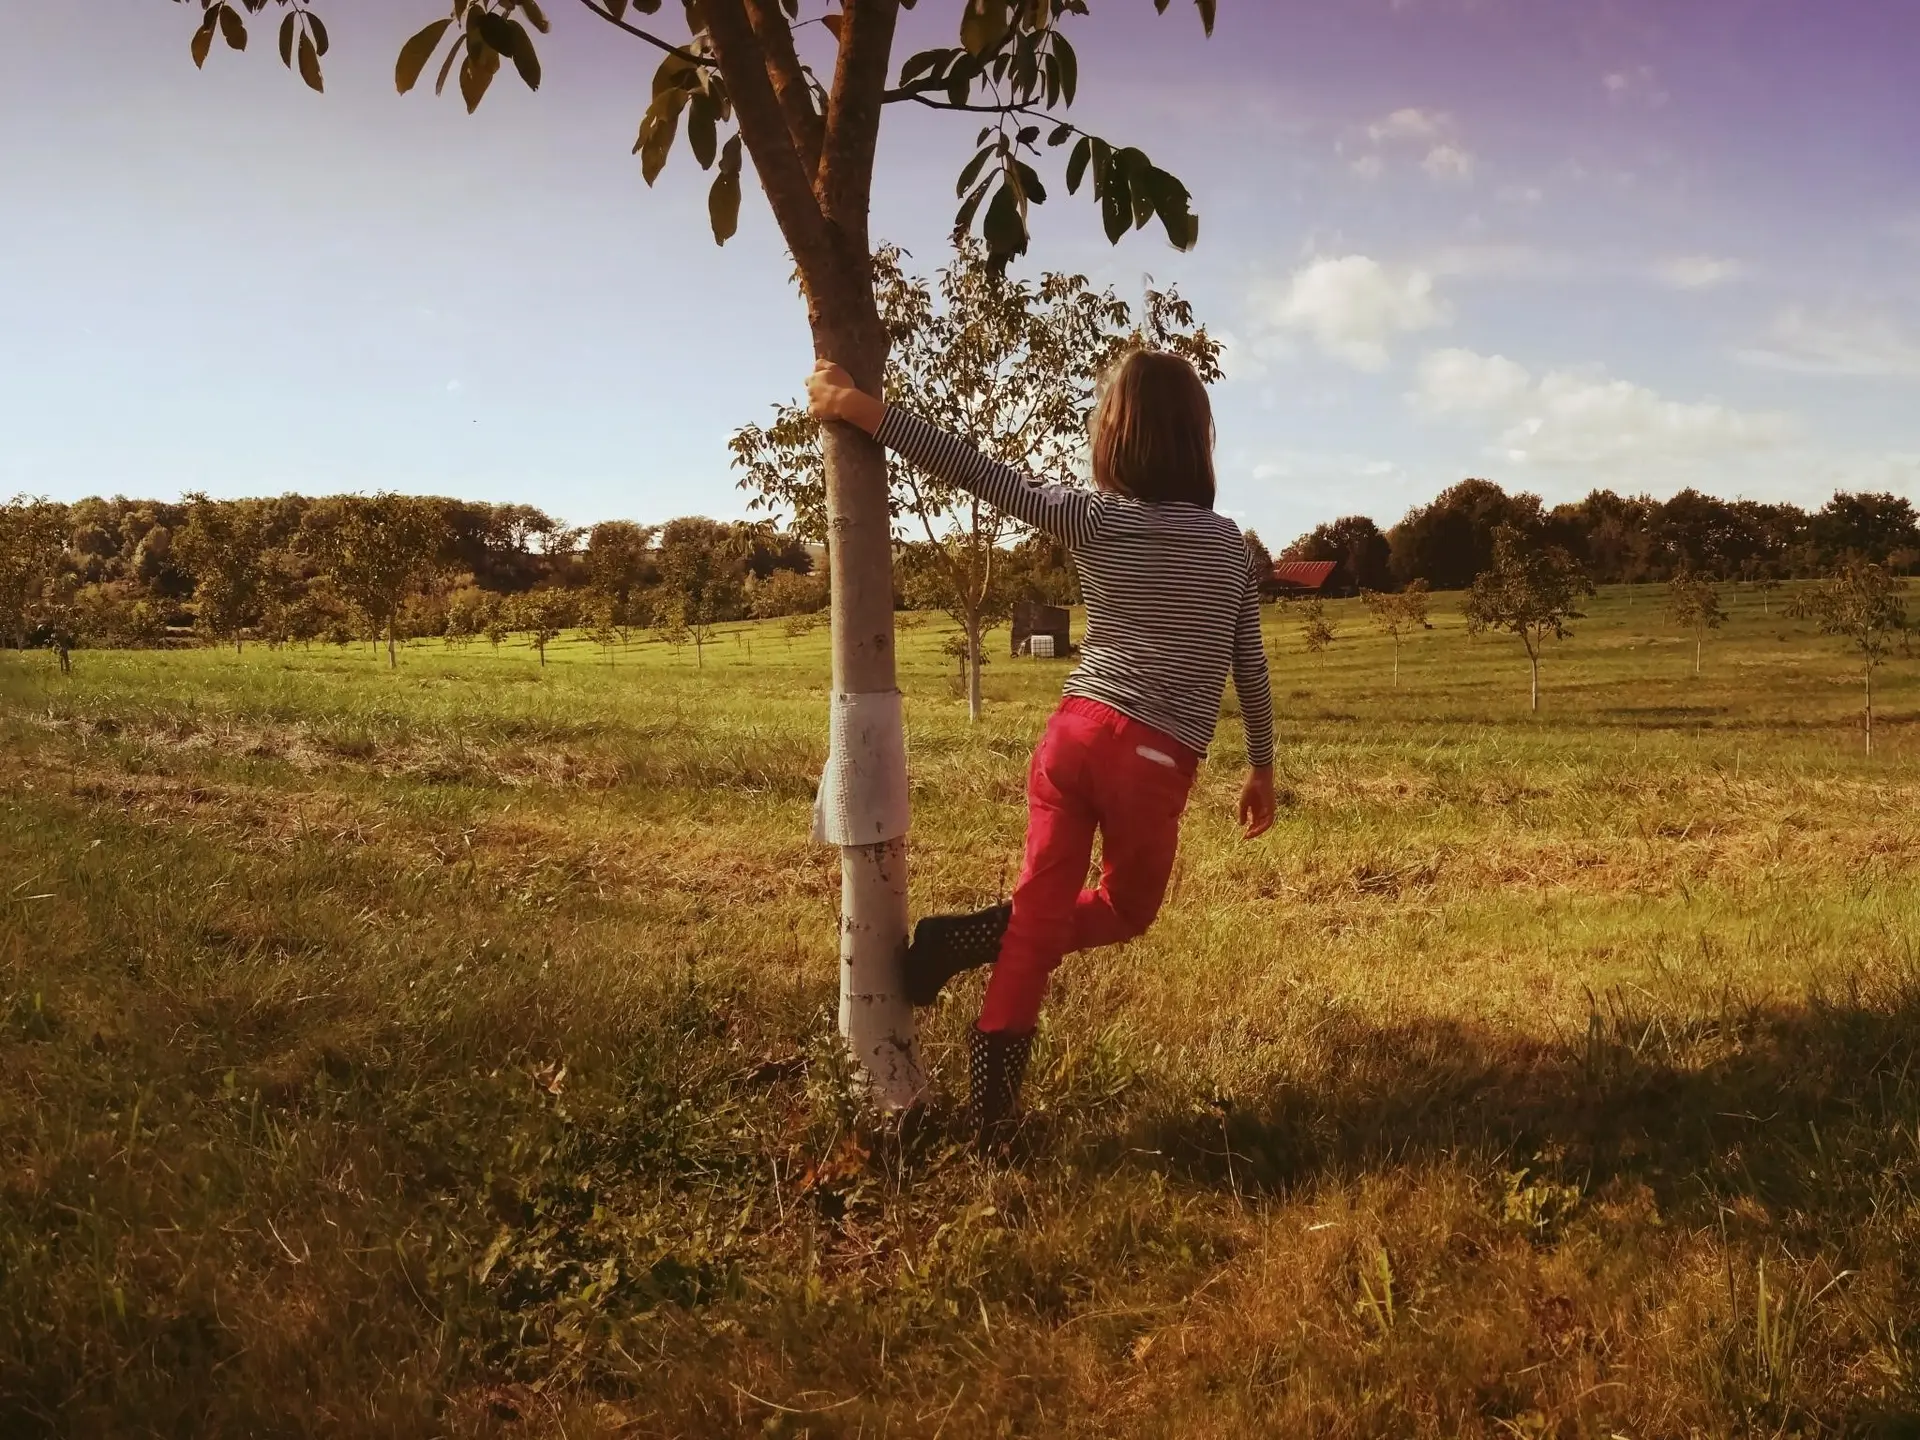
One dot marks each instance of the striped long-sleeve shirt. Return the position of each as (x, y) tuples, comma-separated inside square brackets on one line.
[(1173, 607)]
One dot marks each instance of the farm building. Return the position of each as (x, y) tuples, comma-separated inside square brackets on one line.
[(1303, 577), (1052, 623)]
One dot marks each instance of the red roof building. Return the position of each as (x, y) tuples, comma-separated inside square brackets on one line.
[(1303, 577)]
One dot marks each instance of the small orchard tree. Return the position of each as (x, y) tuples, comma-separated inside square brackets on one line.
[(32, 544), (221, 547), (1529, 590), (543, 616), (1864, 606), (744, 77), (377, 551), (702, 576), (1766, 585), (1317, 628), (1399, 615), (598, 622), (788, 592), (1693, 603), (1011, 367)]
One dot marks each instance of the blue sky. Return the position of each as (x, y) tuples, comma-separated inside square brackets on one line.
[(1622, 242)]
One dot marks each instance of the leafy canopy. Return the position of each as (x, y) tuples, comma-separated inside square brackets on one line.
[(1529, 590), (1861, 604), (1012, 64), (1012, 366)]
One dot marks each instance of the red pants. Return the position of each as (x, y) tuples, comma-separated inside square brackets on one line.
[(1094, 769)]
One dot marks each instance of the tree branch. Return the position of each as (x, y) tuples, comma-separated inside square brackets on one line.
[(853, 116), (789, 82), (783, 176), (704, 61)]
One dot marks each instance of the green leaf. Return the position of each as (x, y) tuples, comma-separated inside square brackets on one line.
[(310, 63), (1030, 186), (496, 31), (984, 26), (319, 29), (702, 118), (1004, 228), (972, 172), (1069, 67), (525, 59), (476, 74), (232, 27), (723, 200), (657, 132), (415, 54), (1059, 135), (1206, 8), (203, 40), (446, 67), (536, 17), (1139, 174), (1077, 163), (1116, 212), (963, 221), (927, 65), (286, 39)]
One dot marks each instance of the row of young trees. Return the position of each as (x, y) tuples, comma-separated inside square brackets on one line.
[(1617, 539), (1530, 589)]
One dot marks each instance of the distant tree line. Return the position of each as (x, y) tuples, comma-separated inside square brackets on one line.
[(386, 568), (1616, 539), (382, 568)]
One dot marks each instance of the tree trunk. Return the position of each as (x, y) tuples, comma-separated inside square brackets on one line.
[(699, 652), (1396, 662), (393, 659), (973, 670), (1869, 708), (875, 1018), (1533, 663), (1696, 654)]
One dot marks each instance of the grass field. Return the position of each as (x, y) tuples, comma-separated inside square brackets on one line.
[(449, 1052)]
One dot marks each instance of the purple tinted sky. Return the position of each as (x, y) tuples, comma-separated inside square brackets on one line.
[(1562, 244)]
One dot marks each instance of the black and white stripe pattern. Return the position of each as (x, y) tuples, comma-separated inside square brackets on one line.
[(1173, 606)]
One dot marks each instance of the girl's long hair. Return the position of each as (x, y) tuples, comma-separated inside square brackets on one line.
[(1153, 431)]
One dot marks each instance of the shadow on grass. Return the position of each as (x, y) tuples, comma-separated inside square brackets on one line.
[(1810, 1111)]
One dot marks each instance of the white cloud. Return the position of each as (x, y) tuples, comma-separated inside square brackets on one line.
[(1698, 272), (1454, 382), (1448, 162), (1409, 124), (1428, 132), (1578, 417), (1353, 307), (1837, 343), (453, 387), (1639, 84)]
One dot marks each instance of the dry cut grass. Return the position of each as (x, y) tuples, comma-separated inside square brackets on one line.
[(450, 1053)]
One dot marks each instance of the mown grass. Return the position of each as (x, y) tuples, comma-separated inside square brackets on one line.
[(450, 1052)]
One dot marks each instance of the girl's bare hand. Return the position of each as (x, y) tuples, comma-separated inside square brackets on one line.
[(1257, 803), (832, 395)]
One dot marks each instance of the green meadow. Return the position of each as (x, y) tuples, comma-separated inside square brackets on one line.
[(449, 1051)]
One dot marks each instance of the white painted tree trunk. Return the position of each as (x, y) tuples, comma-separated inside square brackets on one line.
[(875, 1018), (973, 672)]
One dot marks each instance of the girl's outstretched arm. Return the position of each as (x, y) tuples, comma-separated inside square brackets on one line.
[(1059, 510)]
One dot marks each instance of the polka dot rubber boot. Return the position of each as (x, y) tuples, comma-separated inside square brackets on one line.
[(945, 945), (996, 1064)]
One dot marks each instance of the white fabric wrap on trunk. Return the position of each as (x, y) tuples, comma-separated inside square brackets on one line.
[(862, 799)]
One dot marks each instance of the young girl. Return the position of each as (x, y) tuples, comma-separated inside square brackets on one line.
[(1173, 607)]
